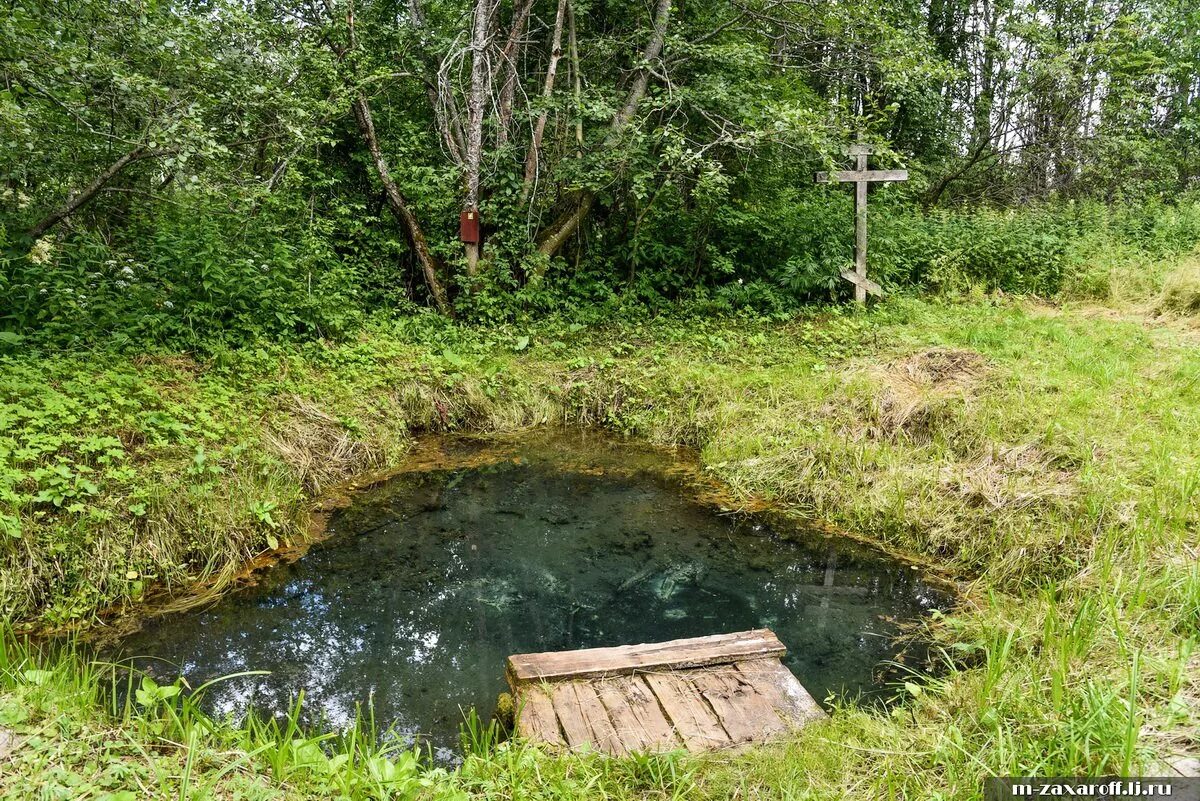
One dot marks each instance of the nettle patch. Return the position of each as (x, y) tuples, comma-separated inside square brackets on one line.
[(51, 463)]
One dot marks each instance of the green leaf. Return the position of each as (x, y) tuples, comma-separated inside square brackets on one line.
[(11, 525), (147, 694), (37, 677), (12, 712), (119, 795)]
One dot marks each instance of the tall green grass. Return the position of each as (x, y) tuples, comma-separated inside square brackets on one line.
[(156, 741), (170, 747)]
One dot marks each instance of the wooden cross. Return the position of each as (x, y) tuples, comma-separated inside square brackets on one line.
[(861, 176)]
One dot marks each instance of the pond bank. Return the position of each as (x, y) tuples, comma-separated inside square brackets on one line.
[(999, 441), (464, 451)]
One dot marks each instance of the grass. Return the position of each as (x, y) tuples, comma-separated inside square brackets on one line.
[(76, 741), (1049, 456), (1181, 290)]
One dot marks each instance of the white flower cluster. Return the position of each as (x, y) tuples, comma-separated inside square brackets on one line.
[(7, 195), (42, 251)]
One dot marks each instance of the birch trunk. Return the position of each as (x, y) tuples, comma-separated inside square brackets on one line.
[(576, 79), (569, 221), (445, 111), (480, 81), (533, 157)]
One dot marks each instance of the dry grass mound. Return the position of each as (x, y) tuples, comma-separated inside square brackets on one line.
[(1009, 478), (918, 392), (1181, 290), (318, 446)]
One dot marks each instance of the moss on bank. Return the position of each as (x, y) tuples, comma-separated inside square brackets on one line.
[(1050, 456)]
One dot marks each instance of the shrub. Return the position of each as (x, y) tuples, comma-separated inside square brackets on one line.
[(1014, 250), (185, 278)]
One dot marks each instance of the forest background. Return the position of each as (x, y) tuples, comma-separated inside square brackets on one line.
[(184, 173)]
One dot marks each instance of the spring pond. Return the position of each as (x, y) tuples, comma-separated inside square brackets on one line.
[(552, 541)]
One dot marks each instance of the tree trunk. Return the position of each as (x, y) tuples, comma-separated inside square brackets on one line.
[(403, 214), (977, 154), (480, 81), (662, 16), (576, 79), (567, 223), (560, 231), (446, 119), (509, 57), (539, 129), (409, 224)]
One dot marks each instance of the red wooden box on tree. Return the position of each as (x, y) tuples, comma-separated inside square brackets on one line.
[(468, 226)]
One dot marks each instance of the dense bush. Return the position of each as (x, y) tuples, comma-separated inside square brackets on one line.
[(1040, 249), (1017, 251), (174, 173), (190, 276), (193, 278)]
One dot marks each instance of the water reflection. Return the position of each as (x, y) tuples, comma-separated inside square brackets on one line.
[(433, 579)]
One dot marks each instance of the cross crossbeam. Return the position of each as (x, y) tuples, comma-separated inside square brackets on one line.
[(861, 177), (846, 176), (863, 282)]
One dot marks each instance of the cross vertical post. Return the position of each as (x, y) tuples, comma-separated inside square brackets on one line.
[(861, 176), (860, 228)]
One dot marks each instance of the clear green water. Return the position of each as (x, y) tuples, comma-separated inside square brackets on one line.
[(430, 580)]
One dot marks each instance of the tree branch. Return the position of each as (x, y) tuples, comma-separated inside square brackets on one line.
[(399, 208), (561, 230), (78, 200), (539, 129)]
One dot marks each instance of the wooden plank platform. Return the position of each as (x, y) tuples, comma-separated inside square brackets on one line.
[(700, 693)]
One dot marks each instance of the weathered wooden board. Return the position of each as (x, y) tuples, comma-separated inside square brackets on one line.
[(604, 733), (623, 659), (628, 728), (844, 176), (570, 717), (699, 694), (636, 714), (782, 689), (695, 721), (536, 717), (862, 281), (744, 713)]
